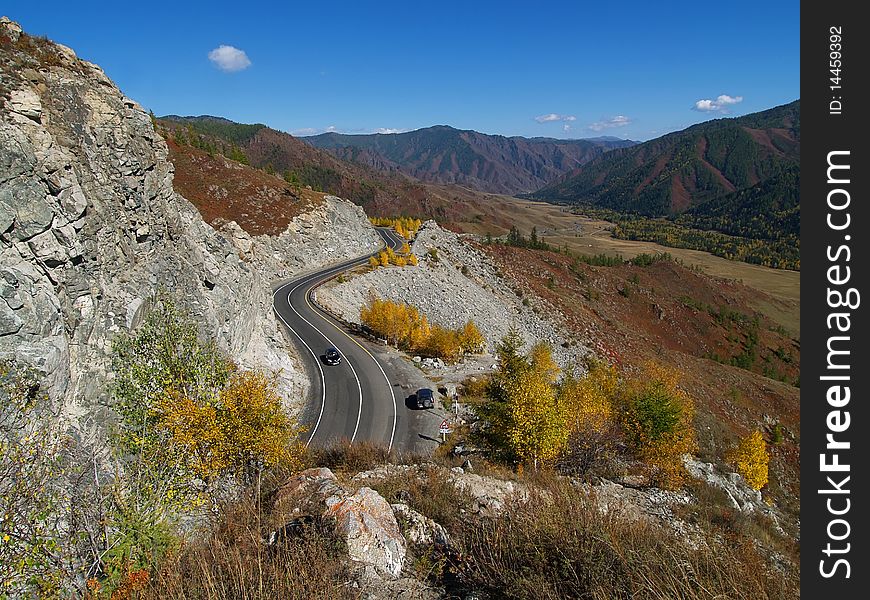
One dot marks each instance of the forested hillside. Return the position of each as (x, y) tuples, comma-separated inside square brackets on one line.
[(673, 173)]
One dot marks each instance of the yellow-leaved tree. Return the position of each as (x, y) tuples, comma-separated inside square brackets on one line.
[(751, 460), (403, 326), (443, 343), (471, 339), (243, 431), (540, 359), (587, 405), (537, 431), (525, 414)]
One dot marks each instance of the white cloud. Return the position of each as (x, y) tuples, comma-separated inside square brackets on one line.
[(617, 121), (720, 104), (229, 58), (554, 117), (566, 128), (389, 130), (304, 131)]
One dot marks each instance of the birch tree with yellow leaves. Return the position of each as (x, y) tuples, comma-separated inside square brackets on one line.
[(751, 460)]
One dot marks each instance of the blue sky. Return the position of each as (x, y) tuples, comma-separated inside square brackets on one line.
[(631, 69)]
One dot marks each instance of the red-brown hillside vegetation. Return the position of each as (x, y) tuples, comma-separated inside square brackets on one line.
[(740, 368), (221, 188)]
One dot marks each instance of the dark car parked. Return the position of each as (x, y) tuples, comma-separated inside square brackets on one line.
[(425, 398), (332, 357)]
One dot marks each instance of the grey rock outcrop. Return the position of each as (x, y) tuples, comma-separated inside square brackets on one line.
[(364, 519), (489, 495), (91, 228), (741, 496), (419, 529)]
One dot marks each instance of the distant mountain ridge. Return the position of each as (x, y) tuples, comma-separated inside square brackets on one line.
[(681, 170), (489, 163)]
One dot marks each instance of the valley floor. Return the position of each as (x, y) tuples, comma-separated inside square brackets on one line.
[(557, 226)]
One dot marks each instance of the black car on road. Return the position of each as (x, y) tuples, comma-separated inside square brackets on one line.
[(332, 357), (425, 398)]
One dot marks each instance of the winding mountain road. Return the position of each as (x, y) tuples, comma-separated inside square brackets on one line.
[(355, 400)]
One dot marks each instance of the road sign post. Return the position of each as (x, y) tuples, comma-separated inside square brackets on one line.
[(444, 429)]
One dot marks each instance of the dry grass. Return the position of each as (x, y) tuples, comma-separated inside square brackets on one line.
[(351, 458), (561, 546), (233, 561), (556, 545)]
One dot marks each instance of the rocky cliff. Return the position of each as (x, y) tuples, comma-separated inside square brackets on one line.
[(91, 228)]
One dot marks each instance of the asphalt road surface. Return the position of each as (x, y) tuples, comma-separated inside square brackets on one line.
[(357, 399)]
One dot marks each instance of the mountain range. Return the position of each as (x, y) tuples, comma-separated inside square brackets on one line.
[(685, 169), (738, 176), (487, 163)]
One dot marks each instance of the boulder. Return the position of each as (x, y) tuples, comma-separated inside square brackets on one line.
[(489, 495), (307, 491), (364, 519), (419, 529), (370, 529)]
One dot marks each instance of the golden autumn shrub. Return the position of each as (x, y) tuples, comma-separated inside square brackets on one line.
[(389, 256), (471, 339), (656, 418), (242, 431), (403, 326), (751, 460), (443, 343), (587, 405), (404, 226)]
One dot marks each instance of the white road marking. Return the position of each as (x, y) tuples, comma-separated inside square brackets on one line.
[(319, 367), (316, 360)]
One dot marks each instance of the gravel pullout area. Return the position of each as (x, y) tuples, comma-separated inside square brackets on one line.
[(451, 285)]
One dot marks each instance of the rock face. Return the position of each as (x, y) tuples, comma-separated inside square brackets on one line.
[(742, 497), (330, 232), (91, 229)]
